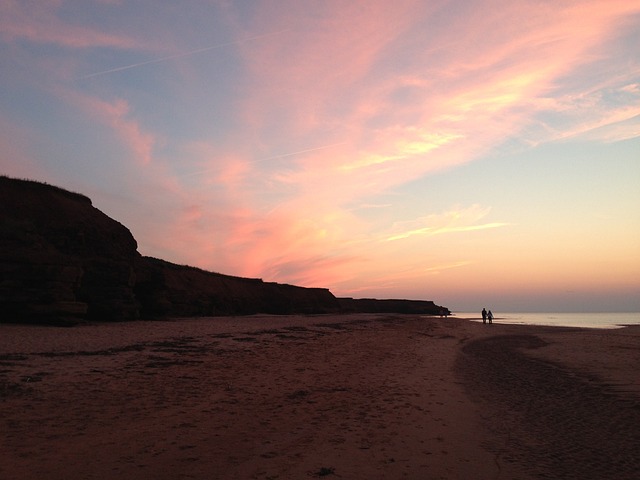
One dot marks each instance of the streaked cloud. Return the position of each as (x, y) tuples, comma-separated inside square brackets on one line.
[(453, 221), (116, 115), (38, 21), (431, 231), (337, 144)]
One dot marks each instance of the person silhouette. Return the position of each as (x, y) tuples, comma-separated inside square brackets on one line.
[(484, 315), (490, 316)]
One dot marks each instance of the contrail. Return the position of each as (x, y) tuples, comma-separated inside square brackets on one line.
[(297, 153), (180, 55)]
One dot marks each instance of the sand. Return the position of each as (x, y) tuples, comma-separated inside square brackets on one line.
[(345, 397)]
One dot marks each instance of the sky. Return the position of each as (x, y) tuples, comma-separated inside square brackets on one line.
[(470, 152)]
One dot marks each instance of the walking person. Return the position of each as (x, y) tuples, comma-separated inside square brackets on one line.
[(484, 315), (490, 316)]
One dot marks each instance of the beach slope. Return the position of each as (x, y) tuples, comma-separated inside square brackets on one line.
[(345, 396)]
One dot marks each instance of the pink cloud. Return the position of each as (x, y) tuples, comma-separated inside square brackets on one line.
[(37, 21), (453, 221), (228, 231), (306, 68), (272, 244), (116, 115), (490, 66), (242, 242), (338, 124), (313, 270), (493, 74), (488, 99)]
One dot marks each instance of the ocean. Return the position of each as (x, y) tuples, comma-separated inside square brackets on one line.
[(586, 320)]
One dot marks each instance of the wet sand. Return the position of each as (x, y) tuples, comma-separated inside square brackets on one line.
[(349, 397)]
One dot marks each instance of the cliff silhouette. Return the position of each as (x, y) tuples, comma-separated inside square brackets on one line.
[(63, 261)]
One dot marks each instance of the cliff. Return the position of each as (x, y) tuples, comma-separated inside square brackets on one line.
[(166, 289), (62, 260), (373, 305)]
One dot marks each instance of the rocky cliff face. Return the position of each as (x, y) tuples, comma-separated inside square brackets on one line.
[(373, 305), (166, 289), (62, 260)]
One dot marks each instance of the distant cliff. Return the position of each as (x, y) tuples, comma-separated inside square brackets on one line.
[(62, 260), (166, 289), (373, 305)]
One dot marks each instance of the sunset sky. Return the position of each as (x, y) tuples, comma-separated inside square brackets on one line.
[(471, 152)]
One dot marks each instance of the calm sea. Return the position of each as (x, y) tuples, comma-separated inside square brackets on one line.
[(588, 320)]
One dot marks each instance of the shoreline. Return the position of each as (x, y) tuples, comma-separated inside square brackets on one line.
[(599, 320), (355, 396)]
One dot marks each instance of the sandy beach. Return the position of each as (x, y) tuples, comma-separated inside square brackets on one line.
[(348, 397)]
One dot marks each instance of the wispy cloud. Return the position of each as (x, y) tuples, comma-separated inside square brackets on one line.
[(39, 22), (452, 221), (275, 157), (116, 116), (287, 155), (428, 231), (383, 133)]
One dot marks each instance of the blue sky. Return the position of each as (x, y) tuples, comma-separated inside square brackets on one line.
[(468, 152)]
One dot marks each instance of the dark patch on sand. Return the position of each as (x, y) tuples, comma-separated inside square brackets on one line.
[(552, 421)]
